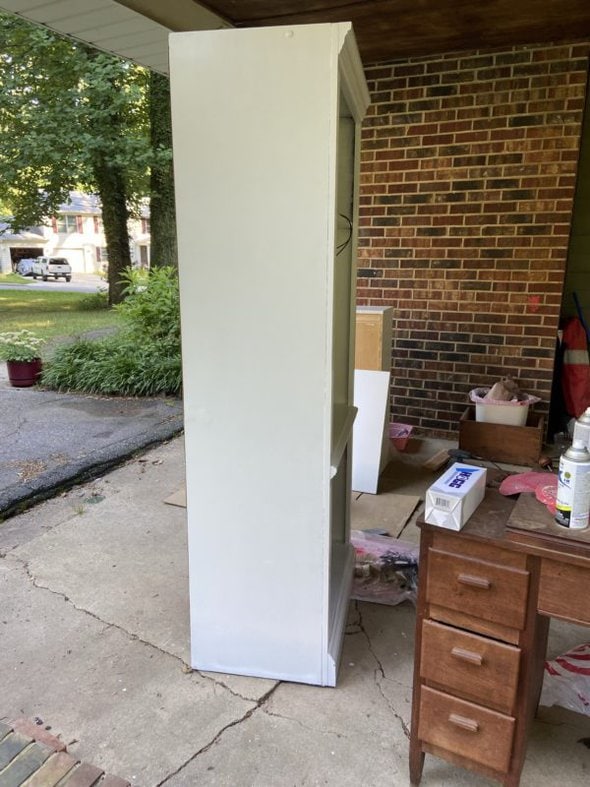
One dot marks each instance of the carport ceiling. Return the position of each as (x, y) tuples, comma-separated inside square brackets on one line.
[(387, 29), (135, 31)]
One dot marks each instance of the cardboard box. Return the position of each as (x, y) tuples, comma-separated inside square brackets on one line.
[(452, 499), (373, 338), (517, 445)]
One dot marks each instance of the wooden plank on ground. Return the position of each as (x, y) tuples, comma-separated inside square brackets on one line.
[(438, 460), (177, 498), (387, 510)]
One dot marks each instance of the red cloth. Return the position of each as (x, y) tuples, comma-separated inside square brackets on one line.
[(575, 379)]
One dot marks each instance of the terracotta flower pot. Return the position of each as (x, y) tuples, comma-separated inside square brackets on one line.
[(22, 374)]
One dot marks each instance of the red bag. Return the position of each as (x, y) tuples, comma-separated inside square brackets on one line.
[(575, 378)]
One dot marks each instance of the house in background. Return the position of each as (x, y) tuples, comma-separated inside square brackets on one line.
[(15, 246), (77, 234)]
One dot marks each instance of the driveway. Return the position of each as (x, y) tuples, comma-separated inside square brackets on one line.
[(50, 440), (81, 282)]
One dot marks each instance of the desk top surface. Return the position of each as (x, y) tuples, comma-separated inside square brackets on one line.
[(524, 524)]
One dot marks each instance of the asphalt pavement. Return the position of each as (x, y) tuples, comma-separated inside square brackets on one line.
[(50, 441), (81, 282)]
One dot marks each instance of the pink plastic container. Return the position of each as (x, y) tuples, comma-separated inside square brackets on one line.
[(399, 435)]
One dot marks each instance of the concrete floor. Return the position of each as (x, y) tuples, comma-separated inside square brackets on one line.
[(94, 641)]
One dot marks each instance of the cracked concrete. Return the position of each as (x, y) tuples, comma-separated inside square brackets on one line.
[(109, 696), (311, 735), (185, 767), (104, 643), (94, 640)]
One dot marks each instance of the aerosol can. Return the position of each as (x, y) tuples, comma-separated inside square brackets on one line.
[(582, 428), (573, 487)]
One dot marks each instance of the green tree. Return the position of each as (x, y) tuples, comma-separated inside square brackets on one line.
[(71, 118), (164, 250)]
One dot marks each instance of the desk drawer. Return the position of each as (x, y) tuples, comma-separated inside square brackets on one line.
[(473, 587), (458, 544), (563, 591), (474, 667), (466, 729)]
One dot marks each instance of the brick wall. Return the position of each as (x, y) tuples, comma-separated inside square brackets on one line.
[(467, 184)]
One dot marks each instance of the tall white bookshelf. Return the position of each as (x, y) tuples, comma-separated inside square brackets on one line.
[(265, 130)]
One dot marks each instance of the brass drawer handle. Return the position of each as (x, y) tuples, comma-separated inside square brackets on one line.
[(462, 721), (474, 582), (468, 655)]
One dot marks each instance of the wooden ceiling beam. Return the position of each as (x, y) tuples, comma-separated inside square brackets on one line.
[(390, 29)]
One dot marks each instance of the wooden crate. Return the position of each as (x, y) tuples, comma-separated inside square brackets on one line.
[(518, 445)]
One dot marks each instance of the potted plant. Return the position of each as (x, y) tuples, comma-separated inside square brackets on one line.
[(20, 350)]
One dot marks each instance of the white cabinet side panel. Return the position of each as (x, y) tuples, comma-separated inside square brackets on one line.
[(251, 125)]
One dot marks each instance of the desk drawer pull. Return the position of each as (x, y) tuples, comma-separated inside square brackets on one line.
[(468, 655), (462, 721), (474, 582)]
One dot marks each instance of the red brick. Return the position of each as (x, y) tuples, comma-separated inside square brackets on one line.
[(84, 775), (488, 259), (52, 771), (38, 733)]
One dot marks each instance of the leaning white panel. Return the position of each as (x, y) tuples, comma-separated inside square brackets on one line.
[(371, 442)]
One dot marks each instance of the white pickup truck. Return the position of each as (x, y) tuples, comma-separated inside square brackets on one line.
[(52, 266)]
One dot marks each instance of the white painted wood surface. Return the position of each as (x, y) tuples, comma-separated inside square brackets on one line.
[(370, 440), (256, 137)]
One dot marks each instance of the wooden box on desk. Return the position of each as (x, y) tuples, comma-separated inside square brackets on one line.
[(518, 445)]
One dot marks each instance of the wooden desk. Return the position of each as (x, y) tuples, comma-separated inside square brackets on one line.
[(484, 600)]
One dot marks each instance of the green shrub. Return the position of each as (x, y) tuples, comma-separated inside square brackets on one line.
[(95, 301), (151, 308), (114, 366), (143, 359)]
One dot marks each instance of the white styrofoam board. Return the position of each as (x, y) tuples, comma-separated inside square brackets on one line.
[(369, 439)]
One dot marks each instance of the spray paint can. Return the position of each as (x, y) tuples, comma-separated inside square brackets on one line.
[(582, 428), (572, 507)]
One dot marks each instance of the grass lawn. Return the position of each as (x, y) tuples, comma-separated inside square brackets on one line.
[(13, 278), (56, 316)]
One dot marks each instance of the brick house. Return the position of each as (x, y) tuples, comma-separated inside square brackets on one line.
[(472, 199), (469, 164)]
